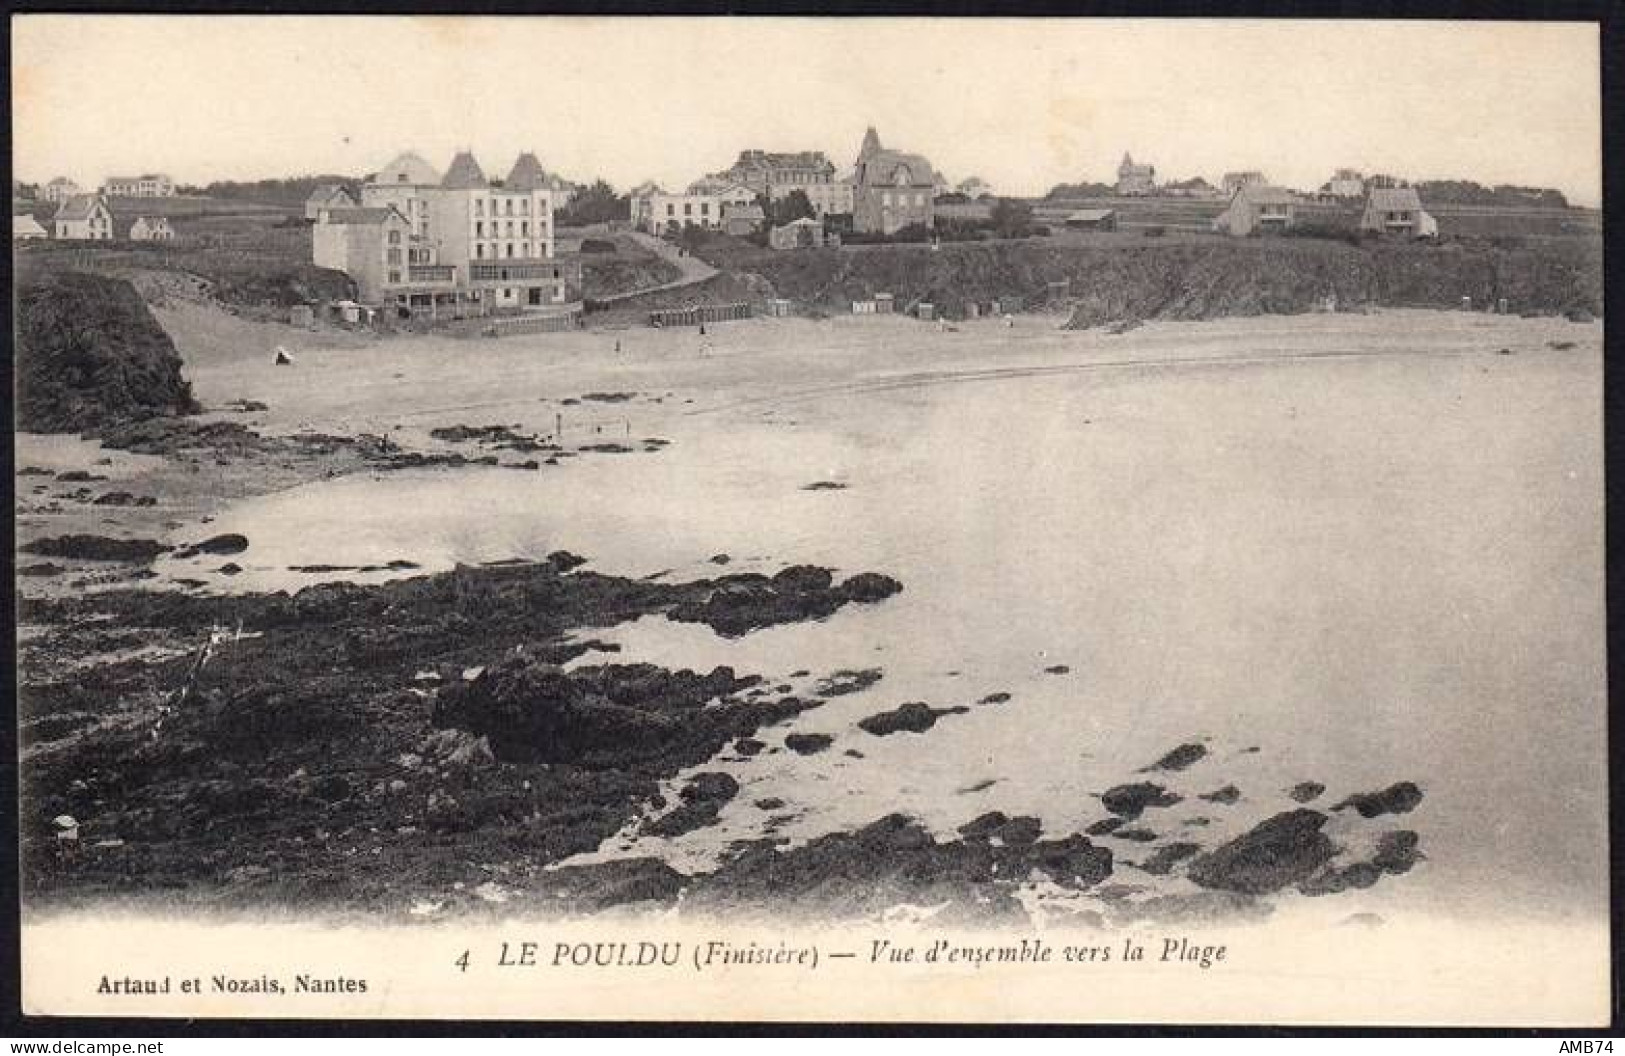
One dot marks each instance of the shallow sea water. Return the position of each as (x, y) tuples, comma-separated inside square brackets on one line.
[(1368, 570)]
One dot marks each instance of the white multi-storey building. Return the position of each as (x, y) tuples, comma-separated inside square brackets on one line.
[(151, 185), (457, 243)]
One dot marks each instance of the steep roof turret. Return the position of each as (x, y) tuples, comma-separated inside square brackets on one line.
[(464, 173)]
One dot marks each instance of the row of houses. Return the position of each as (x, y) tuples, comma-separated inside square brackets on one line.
[(1263, 208), (150, 185), (90, 218), (1135, 180), (456, 243), (1139, 180), (885, 191)]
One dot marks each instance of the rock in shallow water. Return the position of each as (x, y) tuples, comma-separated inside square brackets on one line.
[(229, 543), (1305, 791), (1131, 800), (890, 860), (913, 717), (808, 743), (702, 800), (1180, 758), (97, 548), (737, 605), (1163, 860), (1283, 850), (1401, 798)]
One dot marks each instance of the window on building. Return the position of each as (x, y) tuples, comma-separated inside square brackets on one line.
[(705, 208), (395, 257), (394, 276), (479, 229), (510, 249), (524, 207), (671, 210), (479, 251), (688, 209), (510, 206), (479, 207), (524, 228), (394, 238)]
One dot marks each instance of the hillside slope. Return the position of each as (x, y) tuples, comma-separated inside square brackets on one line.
[(1194, 280)]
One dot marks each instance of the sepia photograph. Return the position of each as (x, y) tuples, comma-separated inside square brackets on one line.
[(810, 519)]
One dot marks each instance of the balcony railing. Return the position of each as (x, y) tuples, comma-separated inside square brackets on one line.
[(431, 273), (511, 268)]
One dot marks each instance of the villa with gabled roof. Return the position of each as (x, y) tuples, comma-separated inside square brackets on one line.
[(891, 189)]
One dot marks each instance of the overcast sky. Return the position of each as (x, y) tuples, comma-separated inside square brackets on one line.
[(1023, 103)]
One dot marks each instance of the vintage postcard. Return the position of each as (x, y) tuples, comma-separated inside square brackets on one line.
[(935, 520)]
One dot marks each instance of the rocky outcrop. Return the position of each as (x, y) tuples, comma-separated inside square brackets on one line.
[(1400, 798), (913, 717), (1278, 852), (739, 604), (1131, 800), (88, 352)]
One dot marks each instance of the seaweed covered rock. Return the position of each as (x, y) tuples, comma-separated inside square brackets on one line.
[(538, 712), (1131, 800), (736, 605), (891, 859), (914, 717), (1400, 798), (88, 352), (702, 799), (84, 547), (1279, 851)]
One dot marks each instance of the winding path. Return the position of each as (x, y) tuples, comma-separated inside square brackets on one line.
[(693, 269)]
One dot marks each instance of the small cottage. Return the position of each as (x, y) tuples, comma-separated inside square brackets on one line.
[(84, 217), (1258, 209), (1397, 211), (151, 229)]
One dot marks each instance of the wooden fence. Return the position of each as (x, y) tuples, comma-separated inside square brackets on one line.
[(553, 322), (705, 313)]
